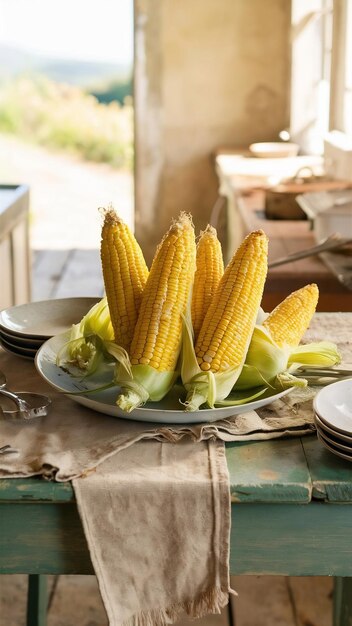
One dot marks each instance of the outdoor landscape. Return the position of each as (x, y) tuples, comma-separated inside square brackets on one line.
[(66, 130)]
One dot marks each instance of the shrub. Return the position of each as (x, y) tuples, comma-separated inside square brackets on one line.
[(65, 117)]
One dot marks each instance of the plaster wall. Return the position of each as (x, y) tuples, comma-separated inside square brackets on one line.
[(208, 73)]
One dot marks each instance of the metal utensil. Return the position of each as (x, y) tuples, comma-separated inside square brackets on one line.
[(8, 449), (29, 405), (330, 243)]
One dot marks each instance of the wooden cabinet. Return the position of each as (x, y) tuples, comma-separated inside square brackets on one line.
[(14, 246)]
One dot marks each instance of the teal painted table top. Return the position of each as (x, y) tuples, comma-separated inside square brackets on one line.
[(291, 514), (296, 470)]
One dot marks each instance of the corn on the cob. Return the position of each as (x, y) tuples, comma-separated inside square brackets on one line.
[(210, 268), (225, 334), (226, 331), (274, 354), (125, 275), (288, 322), (157, 338)]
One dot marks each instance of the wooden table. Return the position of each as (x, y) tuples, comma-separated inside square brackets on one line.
[(291, 515), (244, 213)]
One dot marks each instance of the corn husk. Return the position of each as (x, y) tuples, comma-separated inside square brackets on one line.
[(268, 363), (139, 383), (211, 388), (86, 345)]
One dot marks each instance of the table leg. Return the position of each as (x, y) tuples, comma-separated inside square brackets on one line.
[(37, 600), (342, 601), (231, 612)]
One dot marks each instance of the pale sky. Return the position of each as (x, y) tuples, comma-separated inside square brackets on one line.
[(99, 30)]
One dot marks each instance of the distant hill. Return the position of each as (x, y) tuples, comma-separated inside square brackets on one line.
[(90, 75)]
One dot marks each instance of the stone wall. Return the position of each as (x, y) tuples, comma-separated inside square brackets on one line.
[(208, 73)]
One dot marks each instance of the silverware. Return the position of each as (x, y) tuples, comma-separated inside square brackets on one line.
[(331, 243), (29, 405), (323, 375), (7, 449)]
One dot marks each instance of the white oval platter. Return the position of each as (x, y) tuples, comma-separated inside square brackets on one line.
[(167, 411)]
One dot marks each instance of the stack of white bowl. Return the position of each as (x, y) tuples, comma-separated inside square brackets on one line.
[(333, 418), (24, 328)]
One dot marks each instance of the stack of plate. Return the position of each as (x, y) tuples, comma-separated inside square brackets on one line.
[(24, 328), (333, 418)]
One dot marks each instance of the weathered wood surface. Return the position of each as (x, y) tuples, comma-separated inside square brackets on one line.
[(47, 271), (268, 471), (42, 539), (63, 273), (331, 476), (34, 490), (292, 539), (285, 539), (286, 471)]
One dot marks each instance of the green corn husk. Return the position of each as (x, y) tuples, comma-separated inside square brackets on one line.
[(86, 345), (208, 387), (140, 383), (266, 362), (267, 367)]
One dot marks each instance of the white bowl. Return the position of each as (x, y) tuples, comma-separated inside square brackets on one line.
[(333, 404), (274, 149)]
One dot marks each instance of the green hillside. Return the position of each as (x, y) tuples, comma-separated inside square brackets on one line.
[(90, 75)]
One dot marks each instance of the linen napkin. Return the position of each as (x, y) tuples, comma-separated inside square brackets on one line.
[(157, 521), (156, 516)]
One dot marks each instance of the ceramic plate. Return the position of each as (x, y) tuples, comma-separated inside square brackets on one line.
[(333, 404), (167, 411), (330, 431), (16, 352), (334, 441), (13, 342), (331, 448), (22, 341), (41, 320), (11, 346)]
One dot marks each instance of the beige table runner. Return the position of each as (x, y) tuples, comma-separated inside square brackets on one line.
[(157, 521), (156, 516)]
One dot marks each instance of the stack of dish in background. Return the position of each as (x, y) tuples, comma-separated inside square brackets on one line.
[(333, 418), (24, 328)]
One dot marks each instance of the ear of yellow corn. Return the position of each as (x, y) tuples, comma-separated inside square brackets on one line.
[(274, 354), (226, 331), (157, 337), (125, 275), (288, 322), (210, 268)]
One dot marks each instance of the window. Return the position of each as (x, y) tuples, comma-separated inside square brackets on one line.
[(341, 75), (321, 91)]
